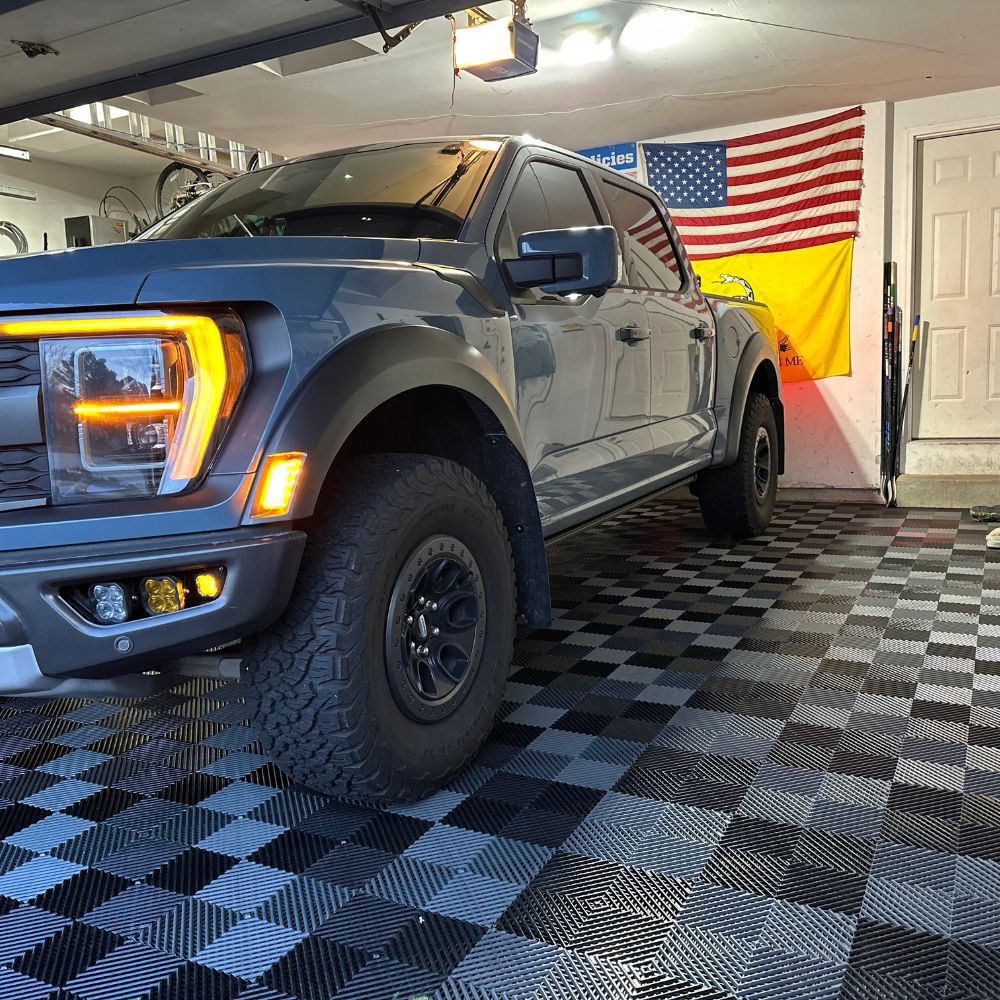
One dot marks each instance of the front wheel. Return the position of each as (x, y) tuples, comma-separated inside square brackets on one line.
[(385, 675), (737, 501)]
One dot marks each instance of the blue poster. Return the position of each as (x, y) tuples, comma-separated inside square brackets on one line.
[(622, 156)]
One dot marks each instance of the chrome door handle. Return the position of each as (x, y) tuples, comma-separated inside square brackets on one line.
[(701, 332), (632, 334)]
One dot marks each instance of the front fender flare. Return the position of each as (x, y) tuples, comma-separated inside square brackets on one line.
[(367, 371)]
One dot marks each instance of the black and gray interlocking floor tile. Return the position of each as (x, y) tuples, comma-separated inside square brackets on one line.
[(766, 771)]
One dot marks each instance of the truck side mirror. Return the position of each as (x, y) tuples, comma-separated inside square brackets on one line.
[(584, 260)]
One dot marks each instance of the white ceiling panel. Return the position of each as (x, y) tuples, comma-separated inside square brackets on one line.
[(106, 48), (705, 63), (658, 67)]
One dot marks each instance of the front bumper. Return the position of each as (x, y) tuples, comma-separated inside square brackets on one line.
[(43, 638)]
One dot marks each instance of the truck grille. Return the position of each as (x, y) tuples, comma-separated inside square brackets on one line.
[(24, 475), (24, 464), (19, 363)]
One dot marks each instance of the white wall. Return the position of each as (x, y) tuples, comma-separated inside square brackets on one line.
[(832, 424), (145, 188), (63, 191)]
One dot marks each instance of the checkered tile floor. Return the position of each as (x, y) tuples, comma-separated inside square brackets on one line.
[(768, 771)]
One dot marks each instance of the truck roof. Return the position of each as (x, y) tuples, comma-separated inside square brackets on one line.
[(519, 141)]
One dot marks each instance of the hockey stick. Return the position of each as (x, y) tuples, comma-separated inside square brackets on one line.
[(886, 418), (914, 333)]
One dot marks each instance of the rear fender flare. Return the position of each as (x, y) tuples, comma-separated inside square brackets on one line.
[(757, 352)]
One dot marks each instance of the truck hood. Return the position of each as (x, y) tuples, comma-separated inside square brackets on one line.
[(108, 276)]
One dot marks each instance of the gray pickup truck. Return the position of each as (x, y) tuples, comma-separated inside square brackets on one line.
[(336, 408)]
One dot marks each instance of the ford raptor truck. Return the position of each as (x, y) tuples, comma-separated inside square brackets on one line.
[(335, 408)]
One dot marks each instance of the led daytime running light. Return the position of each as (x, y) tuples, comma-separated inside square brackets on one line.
[(126, 409)]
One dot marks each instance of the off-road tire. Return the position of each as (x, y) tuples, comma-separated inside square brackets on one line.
[(317, 683), (732, 506)]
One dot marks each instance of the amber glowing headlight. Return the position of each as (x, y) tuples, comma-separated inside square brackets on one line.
[(135, 406)]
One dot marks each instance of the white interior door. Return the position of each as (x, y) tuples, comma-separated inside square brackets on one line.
[(957, 373)]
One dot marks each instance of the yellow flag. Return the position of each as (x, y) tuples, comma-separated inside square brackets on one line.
[(809, 294)]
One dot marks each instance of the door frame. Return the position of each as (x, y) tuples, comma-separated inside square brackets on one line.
[(905, 194)]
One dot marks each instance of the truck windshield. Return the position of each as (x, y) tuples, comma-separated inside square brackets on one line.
[(414, 190)]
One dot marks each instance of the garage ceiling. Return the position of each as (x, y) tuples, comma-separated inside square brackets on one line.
[(106, 48), (706, 63), (716, 63)]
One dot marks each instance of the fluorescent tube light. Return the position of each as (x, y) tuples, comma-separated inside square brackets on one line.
[(14, 153)]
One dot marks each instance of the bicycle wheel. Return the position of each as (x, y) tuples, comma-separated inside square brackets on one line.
[(174, 180), (12, 233)]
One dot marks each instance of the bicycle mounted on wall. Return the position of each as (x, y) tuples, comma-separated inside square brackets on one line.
[(16, 236), (180, 183)]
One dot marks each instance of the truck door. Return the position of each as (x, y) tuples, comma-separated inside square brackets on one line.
[(682, 348), (581, 362)]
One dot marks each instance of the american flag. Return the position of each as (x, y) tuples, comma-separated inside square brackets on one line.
[(785, 189)]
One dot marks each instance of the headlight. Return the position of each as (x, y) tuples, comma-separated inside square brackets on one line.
[(135, 406)]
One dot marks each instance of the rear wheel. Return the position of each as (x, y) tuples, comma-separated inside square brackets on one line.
[(737, 501), (385, 675)]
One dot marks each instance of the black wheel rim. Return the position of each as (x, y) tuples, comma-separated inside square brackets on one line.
[(762, 464), (435, 628)]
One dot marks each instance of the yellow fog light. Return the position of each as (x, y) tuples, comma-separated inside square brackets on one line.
[(208, 585), (277, 483), (162, 595)]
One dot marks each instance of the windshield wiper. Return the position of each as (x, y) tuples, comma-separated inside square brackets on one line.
[(448, 184)]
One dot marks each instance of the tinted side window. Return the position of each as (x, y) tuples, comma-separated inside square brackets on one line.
[(546, 196), (653, 263), (565, 197)]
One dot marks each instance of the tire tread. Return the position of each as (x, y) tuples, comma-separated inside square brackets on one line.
[(726, 496), (303, 684)]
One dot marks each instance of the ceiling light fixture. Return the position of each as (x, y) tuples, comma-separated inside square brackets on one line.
[(497, 49), (14, 153), (583, 47), (651, 30)]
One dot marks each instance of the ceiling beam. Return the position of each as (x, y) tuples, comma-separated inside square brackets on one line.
[(116, 85), (8, 6)]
